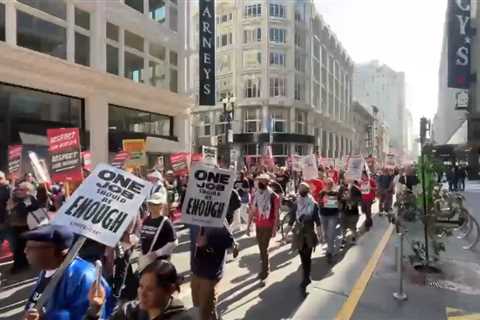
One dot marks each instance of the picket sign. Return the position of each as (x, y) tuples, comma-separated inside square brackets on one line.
[(210, 155), (355, 167), (100, 209), (309, 167)]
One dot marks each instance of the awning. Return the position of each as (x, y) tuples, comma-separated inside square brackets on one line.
[(159, 145), (461, 135)]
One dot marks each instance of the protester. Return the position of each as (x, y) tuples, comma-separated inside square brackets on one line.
[(243, 188), (282, 178), (173, 195), (157, 236), (410, 180), (158, 283), (22, 203), (265, 211), (461, 175), (351, 199), (329, 215), (208, 249), (156, 179), (386, 187), (368, 188), (46, 249), (304, 237), (4, 197)]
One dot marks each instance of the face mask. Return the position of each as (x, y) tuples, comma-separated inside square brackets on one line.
[(262, 186), (303, 193)]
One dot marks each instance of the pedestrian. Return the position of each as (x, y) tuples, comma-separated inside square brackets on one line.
[(158, 283), (158, 238), (243, 188), (282, 178), (208, 249), (352, 197), (329, 215), (20, 205), (385, 185), (461, 176), (368, 188), (156, 179), (5, 191), (304, 237), (265, 212), (46, 249), (410, 180)]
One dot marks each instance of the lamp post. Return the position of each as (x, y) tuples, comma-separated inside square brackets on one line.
[(228, 112)]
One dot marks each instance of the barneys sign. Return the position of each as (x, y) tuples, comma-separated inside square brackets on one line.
[(207, 53), (459, 44)]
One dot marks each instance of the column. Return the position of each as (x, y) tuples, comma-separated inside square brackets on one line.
[(11, 23), (96, 113), (71, 32), (98, 50)]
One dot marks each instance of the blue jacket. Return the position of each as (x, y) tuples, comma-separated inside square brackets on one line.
[(70, 298)]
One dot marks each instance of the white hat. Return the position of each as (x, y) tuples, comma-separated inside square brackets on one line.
[(159, 197), (263, 176)]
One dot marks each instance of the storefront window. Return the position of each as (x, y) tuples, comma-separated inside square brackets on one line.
[(131, 120), (40, 35), (53, 7)]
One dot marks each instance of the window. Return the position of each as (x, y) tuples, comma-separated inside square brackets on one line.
[(131, 120), (279, 121), (299, 89), (277, 10), (301, 150), (277, 58), (112, 32), (223, 63), (252, 58), (135, 4), (157, 10), (112, 60), (300, 12), (251, 120), (300, 39), (173, 58), (252, 88), (40, 35), (250, 149), (2, 22), (220, 123), (82, 49), (173, 19), (157, 50), (133, 67), (158, 74), (173, 80), (299, 62), (300, 122), (280, 149), (133, 41), (253, 10), (82, 19), (224, 40), (205, 124), (278, 35), (252, 35), (278, 87), (53, 7)]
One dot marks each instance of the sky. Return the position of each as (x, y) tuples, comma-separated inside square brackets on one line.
[(403, 34)]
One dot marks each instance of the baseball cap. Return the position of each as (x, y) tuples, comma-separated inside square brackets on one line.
[(61, 236)]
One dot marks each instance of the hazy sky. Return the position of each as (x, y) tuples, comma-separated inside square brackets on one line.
[(404, 34)]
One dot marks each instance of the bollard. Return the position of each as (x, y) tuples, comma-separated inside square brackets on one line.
[(400, 295)]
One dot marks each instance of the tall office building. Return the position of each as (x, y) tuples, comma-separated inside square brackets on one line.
[(289, 74)]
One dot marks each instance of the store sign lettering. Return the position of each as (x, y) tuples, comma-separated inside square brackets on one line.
[(459, 44), (207, 53)]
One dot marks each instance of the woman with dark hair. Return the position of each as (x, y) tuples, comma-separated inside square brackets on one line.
[(158, 283)]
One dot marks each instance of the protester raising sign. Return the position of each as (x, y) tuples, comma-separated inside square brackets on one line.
[(65, 156), (103, 206), (209, 155), (120, 159), (14, 161), (207, 197), (39, 168), (136, 148), (179, 163), (355, 168), (309, 167)]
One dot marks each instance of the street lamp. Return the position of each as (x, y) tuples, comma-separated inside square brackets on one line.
[(228, 112)]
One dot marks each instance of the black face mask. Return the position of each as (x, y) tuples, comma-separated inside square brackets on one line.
[(262, 186), (303, 193)]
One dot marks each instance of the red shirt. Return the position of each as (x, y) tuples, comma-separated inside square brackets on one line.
[(368, 187), (269, 222), (316, 185)]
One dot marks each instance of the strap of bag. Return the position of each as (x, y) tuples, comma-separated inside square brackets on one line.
[(38, 220), (156, 234)]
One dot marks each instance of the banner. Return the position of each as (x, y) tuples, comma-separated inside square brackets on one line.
[(39, 168), (64, 153), (104, 205), (210, 155), (355, 168), (136, 148), (267, 158), (459, 43), (207, 53), (179, 163), (120, 159), (87, 161), (295, 162), (207, 197), (309, 167), (15, 161), (390, 161), (195, 158)]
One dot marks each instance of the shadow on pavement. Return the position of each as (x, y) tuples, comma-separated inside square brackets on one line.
[(237, 293)]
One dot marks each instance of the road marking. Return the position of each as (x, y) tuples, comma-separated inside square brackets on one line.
[(459, 314), (350, 305)]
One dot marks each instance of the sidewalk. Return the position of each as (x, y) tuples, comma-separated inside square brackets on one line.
[(452, 294)]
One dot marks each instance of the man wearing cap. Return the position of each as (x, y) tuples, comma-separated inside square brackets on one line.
[(156, 179), (46, 249), (264, 210)]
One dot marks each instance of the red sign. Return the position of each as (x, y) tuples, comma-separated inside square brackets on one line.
[(196, 157), (14, 160), (64, 152), (179, 163), (87, 160), (120, 159)]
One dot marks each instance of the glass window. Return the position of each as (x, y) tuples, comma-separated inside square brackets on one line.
[(157, 50), (112, 32), (82, 18), (42, 36), (280, 149), (158, 74), (158, 11), (324, 143), (279, 121), (278, 35), (250, 149), (252, 58), (133, 67), (300, 150), (82, 49), (131, 120), (300, 122), (133, 41), (112, 60), (252, 88), (173, 58), (251, 120), (277, 10), (173, 80), (173, 19), (205, 125), (2, 22), (277, 58), (220, 123), (54, 7), (252, 35), (135, 4), (253, 10), (299, 89), (278, 87)]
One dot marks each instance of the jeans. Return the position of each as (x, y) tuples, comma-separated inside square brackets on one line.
[(306, 259), (264, 234), (461, 184), (329, 226), (367, 211)]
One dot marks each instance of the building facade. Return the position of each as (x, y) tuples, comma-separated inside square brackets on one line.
[(363, 119), (378, 85), (289, 74), (114, 69)]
